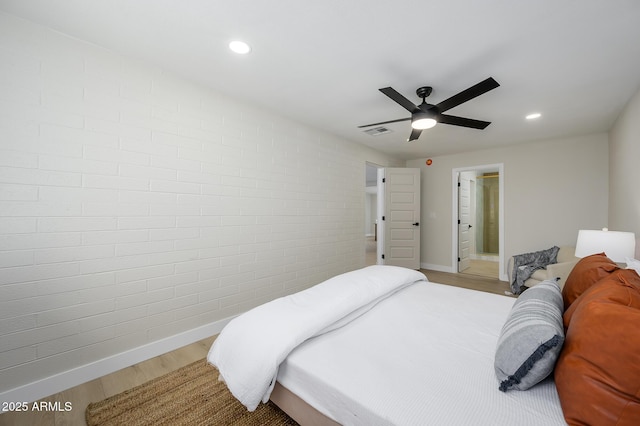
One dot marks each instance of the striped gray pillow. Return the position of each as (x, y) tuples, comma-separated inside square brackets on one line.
[(531, 338)]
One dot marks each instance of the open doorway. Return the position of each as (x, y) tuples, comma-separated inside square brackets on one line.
[(371, 214), (479, 221)]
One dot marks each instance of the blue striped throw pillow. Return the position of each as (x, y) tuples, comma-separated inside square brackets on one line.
[(531, 338)]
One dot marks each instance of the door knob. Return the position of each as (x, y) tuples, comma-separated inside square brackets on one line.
[(416, 224)]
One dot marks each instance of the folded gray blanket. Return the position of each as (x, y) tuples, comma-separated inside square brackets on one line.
[(524, 265)]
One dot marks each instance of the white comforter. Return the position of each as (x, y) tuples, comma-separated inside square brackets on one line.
[(422, 357), (251, 347)]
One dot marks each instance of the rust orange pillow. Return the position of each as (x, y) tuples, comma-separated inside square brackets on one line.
[(601, 290), (598, 372), (588, 271)]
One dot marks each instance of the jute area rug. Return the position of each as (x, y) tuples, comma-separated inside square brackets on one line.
[(191, 395)]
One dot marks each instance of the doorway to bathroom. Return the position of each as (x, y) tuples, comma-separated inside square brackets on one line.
[(478, 225)]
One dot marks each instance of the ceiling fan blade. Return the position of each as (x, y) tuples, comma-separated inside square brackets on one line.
[(399, 99), (385, 122), (468, 94), (415, 134), (461, 121)]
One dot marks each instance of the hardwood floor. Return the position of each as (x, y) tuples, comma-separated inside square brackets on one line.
[(484, 268), (127, 378), (106, 386), (473, 282)]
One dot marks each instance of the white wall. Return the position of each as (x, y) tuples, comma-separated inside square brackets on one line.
[(624, 171), (135, 205), (552, 189)]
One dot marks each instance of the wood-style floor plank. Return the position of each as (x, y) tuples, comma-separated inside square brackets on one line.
[(35, 417), (129, 377), (473, 282), (80, 397), (106, 386)]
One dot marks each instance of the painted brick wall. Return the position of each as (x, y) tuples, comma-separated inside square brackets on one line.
[(135, 205)]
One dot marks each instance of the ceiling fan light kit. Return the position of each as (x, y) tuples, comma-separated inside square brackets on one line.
[(422, 121), (425, 116)]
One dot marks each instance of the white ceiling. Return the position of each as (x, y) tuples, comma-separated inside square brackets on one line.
[(321, 62)]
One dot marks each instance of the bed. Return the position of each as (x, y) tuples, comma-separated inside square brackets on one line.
[(411, 352)]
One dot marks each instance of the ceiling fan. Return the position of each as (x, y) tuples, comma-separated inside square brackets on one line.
[(425, 116)]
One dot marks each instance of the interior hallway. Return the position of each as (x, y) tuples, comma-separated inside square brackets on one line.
[(370, 251)]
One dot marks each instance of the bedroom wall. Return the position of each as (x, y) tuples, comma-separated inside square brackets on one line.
[(552, 188), (624, 173), (135, 206)]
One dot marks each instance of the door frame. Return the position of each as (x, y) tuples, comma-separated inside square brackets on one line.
[(470, 213), (454, 214), (370, 165)]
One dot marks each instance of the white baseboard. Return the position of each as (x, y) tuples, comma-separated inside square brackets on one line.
[(70, 378), (439, 268)]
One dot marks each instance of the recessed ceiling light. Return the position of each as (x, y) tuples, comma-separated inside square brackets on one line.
[(533, 116), (239, 47)]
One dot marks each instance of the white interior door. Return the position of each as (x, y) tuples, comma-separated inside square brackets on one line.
[(401, 217), (464, 220)]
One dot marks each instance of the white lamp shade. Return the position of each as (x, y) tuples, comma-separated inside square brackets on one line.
[(616, 245)]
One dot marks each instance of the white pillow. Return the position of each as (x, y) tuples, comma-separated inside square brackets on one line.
[(633, 264)]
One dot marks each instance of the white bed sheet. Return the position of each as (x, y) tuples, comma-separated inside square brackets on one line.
[(422, 356)]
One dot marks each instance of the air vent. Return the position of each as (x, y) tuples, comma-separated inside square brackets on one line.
[(377, 131)]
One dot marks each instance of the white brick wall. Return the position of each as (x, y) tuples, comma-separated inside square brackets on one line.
[(135, 205)]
